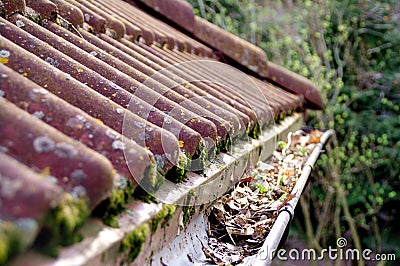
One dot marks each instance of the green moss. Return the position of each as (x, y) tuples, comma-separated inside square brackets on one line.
[(143, 195), (184, 164), (178, 173), (122, 193), (36, 18), (255, 132), (192, 193), (218, 145), (60, 226), (163, 215), (134, 241), (224, 145), (151, 186), (200, 158), (111, 221), (188, 212), (124, 190), (11, 241), (71, 215), (152, 176)]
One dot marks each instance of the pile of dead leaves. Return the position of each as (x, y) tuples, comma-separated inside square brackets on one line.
[(240, 220)]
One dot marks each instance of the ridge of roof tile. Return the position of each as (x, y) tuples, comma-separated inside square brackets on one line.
[(96, 21), (10, 7), (69, 12), (296, 84), (46, 8), (232, 46), (241, 51)]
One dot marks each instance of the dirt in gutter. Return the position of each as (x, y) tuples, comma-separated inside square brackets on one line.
[(240, 221)]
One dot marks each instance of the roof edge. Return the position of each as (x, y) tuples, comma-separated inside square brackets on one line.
[(234, 47), (296, 84), (178, 11)]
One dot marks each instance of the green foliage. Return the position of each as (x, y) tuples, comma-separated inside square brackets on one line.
[(11, 241), (261, 188), (351, 50)]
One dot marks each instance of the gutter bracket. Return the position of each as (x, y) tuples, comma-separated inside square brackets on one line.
[(288, 209)]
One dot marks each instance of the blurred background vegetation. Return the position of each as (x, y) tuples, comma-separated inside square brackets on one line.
[(350, 50)]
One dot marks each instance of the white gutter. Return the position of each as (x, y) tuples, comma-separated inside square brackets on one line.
[(270, 246)]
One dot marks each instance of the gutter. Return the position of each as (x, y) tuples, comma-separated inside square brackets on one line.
[(286, 214)]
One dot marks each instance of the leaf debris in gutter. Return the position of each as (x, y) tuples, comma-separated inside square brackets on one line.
[(240, 221)]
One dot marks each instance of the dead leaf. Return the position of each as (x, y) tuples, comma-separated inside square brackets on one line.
[(315, 136)]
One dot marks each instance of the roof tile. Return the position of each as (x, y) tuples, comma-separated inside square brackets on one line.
[(45, 8), (93, 109), (78, 94), (96, 21), (239, 50), (180, 12), (73, 122), (44, 148), (24, 193), (13, 6), (69, 12), (115, 27), (127, 77), (295, 84)]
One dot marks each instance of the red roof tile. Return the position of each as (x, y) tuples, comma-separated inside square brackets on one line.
[(237, 49), (45, 8), (296, 84), (72, 121), (178, 11), (24, 193), (43, 148), (122, 96)]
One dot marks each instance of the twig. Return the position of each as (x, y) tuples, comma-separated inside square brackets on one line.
[(70, 25), (348, 216), (323, 222)]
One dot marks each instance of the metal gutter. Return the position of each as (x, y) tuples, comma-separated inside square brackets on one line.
[(188, 247), (286, 214)]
